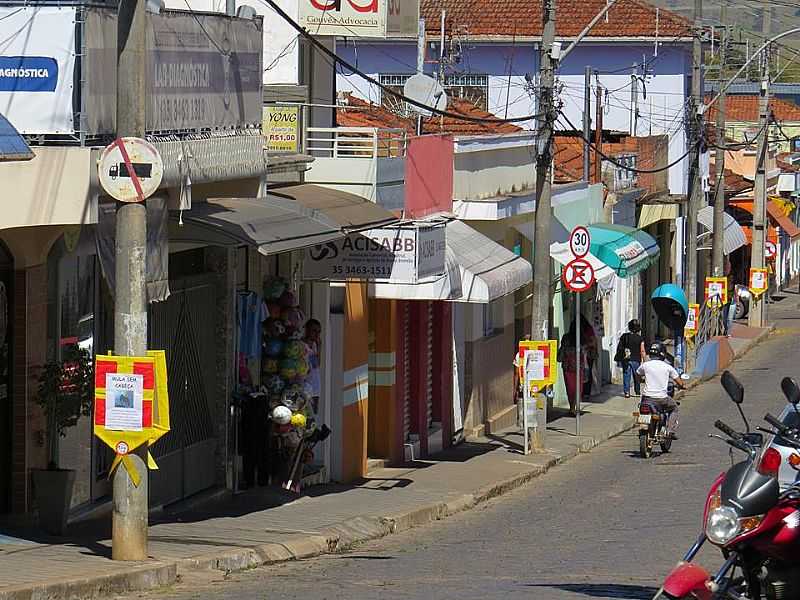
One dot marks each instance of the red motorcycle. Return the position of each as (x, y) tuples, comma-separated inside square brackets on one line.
[(753, 523)]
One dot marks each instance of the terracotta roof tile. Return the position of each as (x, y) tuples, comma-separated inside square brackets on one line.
[(744, 108), (734, 183), (365, 114), (508, 18)]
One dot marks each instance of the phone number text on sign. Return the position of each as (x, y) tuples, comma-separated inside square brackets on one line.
[(181, 109)]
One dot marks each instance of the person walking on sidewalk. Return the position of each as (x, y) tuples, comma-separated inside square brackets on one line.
[(589, 347), (568, 357), (630, 355)]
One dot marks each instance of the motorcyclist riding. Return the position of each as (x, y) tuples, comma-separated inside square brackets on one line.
[(656, 374)]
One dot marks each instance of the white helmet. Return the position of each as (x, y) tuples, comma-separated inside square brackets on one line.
[(281, 415)]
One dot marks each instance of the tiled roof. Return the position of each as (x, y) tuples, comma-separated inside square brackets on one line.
[(785, 165), (568, 155), (523, 18), (365, 114), (745, 109), (734, 183)]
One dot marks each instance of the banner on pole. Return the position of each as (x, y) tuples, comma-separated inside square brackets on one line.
[(758, 281)]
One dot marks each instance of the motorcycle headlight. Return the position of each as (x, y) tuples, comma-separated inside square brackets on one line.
[(722, 525)]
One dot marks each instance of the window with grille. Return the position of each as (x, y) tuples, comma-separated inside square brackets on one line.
[(470, 87)]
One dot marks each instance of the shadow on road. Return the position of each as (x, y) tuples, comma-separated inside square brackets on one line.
[(600, 590)]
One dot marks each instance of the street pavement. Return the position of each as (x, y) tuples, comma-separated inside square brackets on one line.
[(608, 524)]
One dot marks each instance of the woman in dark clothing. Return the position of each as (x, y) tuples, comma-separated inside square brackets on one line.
[(630, 355), (568, 357), (589, 347)]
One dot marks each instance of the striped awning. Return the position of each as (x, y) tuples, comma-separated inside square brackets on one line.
[(626, 250), (734, 236)]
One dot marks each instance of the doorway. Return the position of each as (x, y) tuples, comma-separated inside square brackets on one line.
[(6, 433)]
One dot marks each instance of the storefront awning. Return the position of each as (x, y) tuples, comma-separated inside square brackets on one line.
[(733, 237), (785, 223), (280, 222), (478, 270), (626, 250), (351, 212), (653, 213)]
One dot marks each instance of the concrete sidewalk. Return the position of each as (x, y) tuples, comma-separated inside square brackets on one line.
[(265, 526)]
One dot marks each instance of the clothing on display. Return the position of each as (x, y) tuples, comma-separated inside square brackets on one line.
[(252, 313)]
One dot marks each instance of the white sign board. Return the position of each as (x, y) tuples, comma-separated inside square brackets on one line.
[(124, 401), (360, 18), (37, 68), (580, 241), (130, 169), (387, 254)]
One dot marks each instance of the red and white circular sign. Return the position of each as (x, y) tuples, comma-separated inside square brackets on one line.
[(770, 249), (122, 448), (578, 275), (580, 241), (130, 169)]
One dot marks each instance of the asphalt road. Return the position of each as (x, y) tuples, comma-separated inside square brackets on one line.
[(605, 525)]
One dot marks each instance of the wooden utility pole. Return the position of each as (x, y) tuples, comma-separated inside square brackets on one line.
[(598, 136), (718, 234), (129, 506), (542, 271), (695, 190), (587, 123)]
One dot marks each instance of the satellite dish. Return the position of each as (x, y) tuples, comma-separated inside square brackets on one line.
[(425, 90)]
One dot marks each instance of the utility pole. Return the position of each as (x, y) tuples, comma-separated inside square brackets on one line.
[(587, 122), (634, 102), (718, 234), (542, 271), (598, 135), (756, 315), (695, 191), (420, 64), (129, 506)]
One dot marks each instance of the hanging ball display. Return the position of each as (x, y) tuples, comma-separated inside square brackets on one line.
[(299, 420), (281, 415), (274, 385), (294, 349), (302, 367), (288, 368), (274, 288), (288, 299), (292, 396), (294, 334), (293, 317), (274, 310), (271, 366), (274, 328), (273, 347)]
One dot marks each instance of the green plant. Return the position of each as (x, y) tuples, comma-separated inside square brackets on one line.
[(65, 395)]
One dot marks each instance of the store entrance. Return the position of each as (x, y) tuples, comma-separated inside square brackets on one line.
[(6, 275)]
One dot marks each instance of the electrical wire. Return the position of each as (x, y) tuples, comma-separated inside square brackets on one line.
[(205, 32), (388, 90), (616, 162)]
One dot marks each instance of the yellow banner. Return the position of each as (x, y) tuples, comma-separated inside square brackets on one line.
[(281, 128)]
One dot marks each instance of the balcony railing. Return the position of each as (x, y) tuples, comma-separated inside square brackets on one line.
[(356, 142)]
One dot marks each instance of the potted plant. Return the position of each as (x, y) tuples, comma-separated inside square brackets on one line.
[(65, 395)]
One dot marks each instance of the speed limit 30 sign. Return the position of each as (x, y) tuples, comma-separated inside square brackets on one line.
[(580, 241)]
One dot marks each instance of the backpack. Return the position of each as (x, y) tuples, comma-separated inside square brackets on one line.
[(623, 353)]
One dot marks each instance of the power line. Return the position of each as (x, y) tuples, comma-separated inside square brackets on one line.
[(388, 90)]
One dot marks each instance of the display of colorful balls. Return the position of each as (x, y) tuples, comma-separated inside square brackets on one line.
[(294, 334), (273, 347), (293, 317), (271, 366), (274, 310), (287, 299), (274, 288), (298, 420), (302, 367), (274, 385), (288, 368), (294, 349)]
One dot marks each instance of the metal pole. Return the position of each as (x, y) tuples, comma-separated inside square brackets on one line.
[(718, 234), (579, 369), (587, 122), (760, 194), (129, 506), (632, 120), (695, 190), (542, 271)]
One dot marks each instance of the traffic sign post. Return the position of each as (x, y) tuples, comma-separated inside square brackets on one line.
[(770, 250), (578, 277)]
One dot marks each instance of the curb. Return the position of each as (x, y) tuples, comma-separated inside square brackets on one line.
[(337, 538), (133, 580)]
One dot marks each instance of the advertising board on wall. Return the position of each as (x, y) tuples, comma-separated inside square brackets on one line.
[(204, 71), (281, 128), (360, 18), (402, 254), (37, 68)]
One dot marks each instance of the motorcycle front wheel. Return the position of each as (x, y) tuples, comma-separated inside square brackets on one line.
[(645, 444)]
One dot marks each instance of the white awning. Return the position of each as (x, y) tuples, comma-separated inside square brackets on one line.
[(734, 236), (478, 270)]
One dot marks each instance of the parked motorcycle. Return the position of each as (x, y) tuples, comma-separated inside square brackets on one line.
[(754, 523)]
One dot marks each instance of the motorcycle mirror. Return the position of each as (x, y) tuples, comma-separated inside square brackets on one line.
[(790, 390), (732, 386)]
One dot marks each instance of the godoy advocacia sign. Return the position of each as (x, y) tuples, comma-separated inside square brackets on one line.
[(403, 254)]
